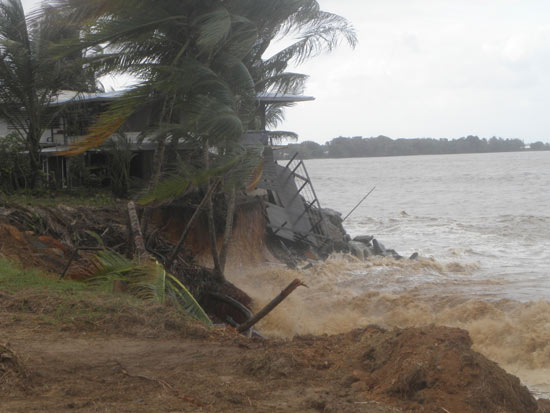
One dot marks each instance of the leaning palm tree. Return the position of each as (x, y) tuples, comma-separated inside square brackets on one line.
[(29, 77), (199, 64), (187, 57)]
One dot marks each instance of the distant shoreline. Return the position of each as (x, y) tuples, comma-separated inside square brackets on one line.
[(287, 158), (382, 146)]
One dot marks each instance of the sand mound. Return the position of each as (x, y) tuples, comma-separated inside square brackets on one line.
[(434, 367), (430, 369)]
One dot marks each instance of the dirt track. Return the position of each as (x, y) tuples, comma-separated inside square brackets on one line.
[(123, 364), (92, 371)]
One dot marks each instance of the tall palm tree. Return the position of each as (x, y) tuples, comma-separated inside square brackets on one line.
[(200, 64), (203, 60), (29, 77), (187, 56)]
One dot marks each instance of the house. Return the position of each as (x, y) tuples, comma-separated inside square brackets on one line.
[(291, 206), (82, 109)]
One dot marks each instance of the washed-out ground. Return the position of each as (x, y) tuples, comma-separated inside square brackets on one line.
[(65, 346), (79, 351)]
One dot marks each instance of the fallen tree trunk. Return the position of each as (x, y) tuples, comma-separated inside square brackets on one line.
[(268, 308)]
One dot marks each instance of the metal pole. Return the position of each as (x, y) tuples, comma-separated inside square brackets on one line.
[(360, 202)]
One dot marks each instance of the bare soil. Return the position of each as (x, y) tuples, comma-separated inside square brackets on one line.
[(146, 358)]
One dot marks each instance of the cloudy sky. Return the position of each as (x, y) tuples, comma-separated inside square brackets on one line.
[(432, 68)]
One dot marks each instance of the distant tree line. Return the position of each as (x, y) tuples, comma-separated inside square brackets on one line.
[(359, 147)]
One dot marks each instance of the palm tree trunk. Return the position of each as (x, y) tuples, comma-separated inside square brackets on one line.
[(33, 143), (185, 232), (229, 219), (211, 224)]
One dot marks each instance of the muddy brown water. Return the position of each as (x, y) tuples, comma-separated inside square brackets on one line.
[(482, 224)]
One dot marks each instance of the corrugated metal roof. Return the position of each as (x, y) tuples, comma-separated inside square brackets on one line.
[(71, 95), (278, 98)]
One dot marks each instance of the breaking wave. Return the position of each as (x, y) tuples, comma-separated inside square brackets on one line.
[(344, 293)]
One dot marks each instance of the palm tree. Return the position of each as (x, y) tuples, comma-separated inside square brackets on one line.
[(202, 61), (187, 57), (199, 64), (29, 77)]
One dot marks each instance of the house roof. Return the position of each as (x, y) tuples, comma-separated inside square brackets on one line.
[(278, 98), (71, 95)]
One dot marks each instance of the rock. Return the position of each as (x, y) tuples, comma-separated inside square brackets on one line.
[(379, 248), (357, 249), (334, 232), (365, 239), (308, 266), (392, 253), (340, 246), (414, 256), (332, 215)]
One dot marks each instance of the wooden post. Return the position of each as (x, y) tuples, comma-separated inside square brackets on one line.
[(274, 303), (141, 252)]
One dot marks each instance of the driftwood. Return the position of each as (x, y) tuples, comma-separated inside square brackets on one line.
[(274, 303)]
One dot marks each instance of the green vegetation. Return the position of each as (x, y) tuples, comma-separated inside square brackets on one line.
[(199, 65), (14, 278), (30, 77), (148, 281), (69, 304), (359, 147)]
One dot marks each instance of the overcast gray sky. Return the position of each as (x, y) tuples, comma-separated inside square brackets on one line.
[(431, 68)]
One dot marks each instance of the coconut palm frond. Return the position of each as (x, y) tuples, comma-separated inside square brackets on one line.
[(110, 121), (242, 38), (168, 189), (147, 281), (186, 299), (275, 113), (214, 27), (243, 165), (284, 83), (108, 125)]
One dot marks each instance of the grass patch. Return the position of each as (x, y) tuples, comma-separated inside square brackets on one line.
[(76, 306), (14, 278)]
